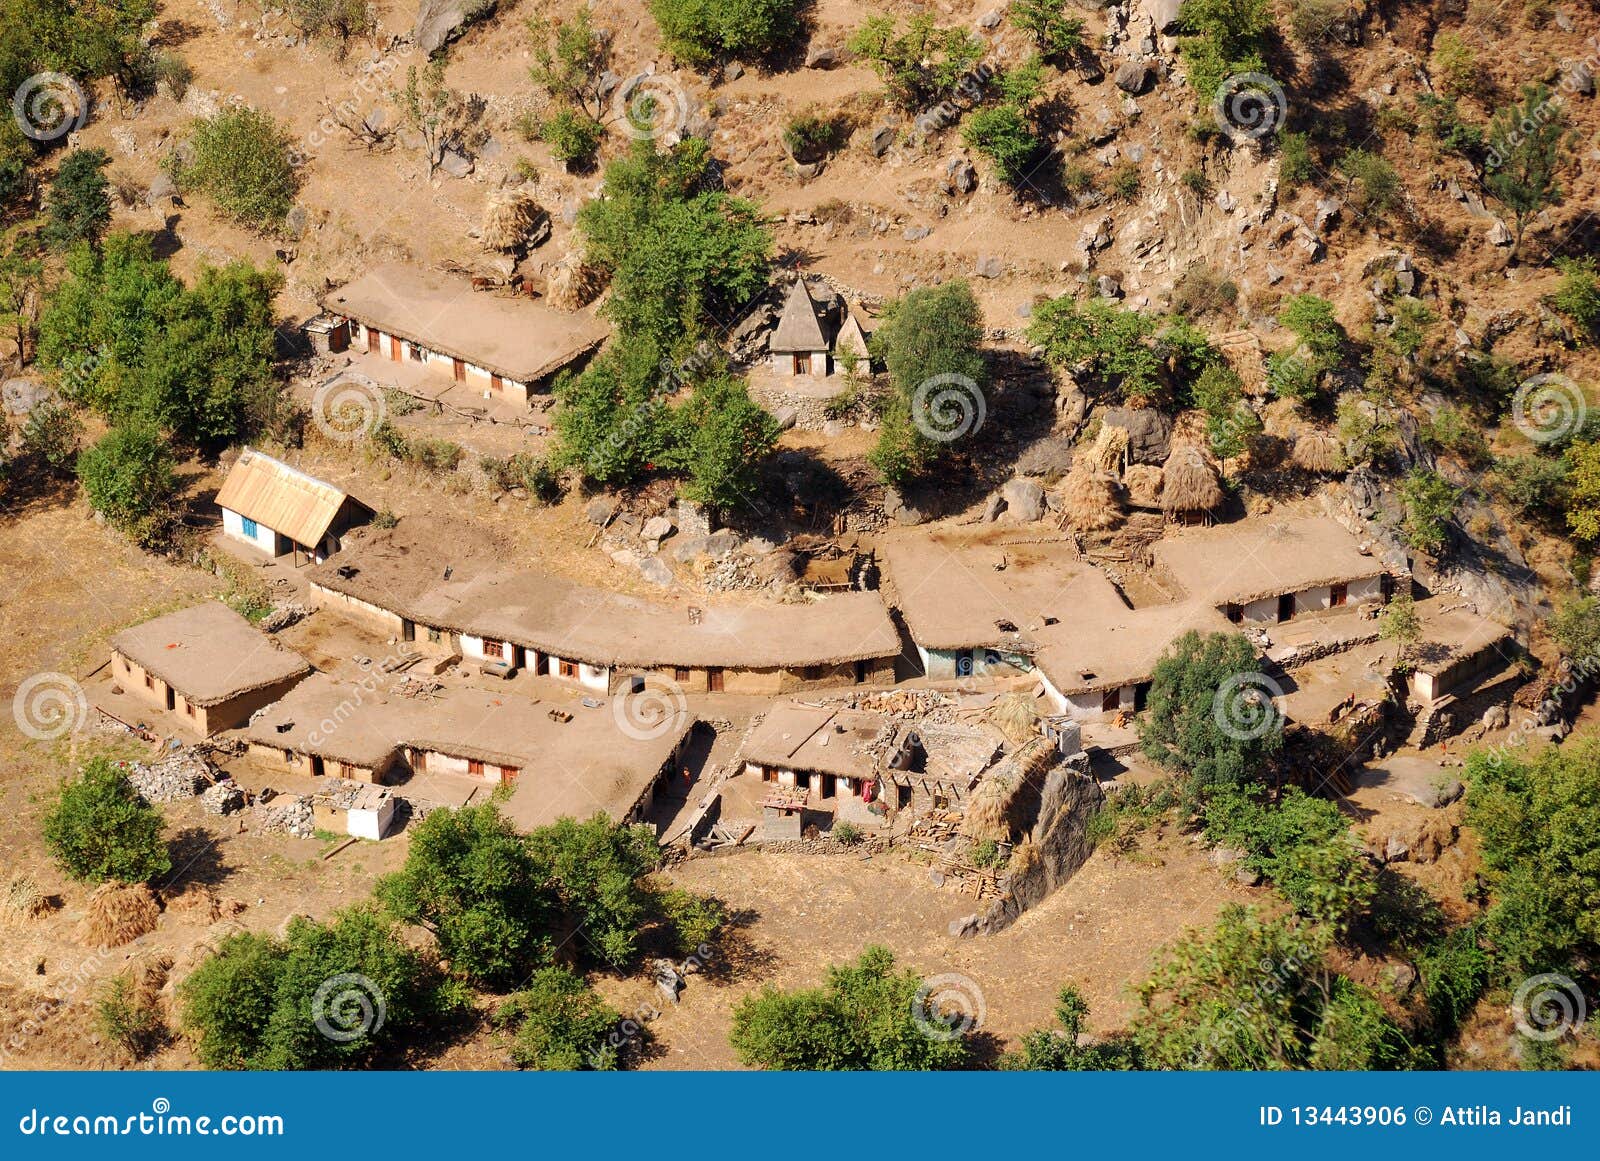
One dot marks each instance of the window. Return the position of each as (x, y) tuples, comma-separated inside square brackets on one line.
[(567, 669), (494, 649), (680, 675), (475, 767), (434, 636), (250, 528), (149, 682), (418, 355)]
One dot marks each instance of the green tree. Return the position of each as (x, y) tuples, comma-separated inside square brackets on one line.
[(1062, 1048), (570, 61), (323, 996), (1209, 717), (558, 1023), (1374, 185), (1398, 622), (1575, 627), (1224, 37), (725, 436), (442, 118), (921, 65), (700, 32), (931, 345), (866, 1016), (592, 872), (1005, 136), (1134, 354), (470, 879), (130, 1021), (1312, 321), (1578, 296), (21, 289), (1583, 490), (99, 828), (1526, 154), (244, 161), (128, 477), (50, 438), (1538, 825), (1056, 35), (80, 206), (339, 19), (1430, 501)]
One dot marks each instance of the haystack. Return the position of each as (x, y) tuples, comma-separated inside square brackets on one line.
[(1015, 715), (199, 903), (1089, 499), (1143, 482), (1003, 805), (573, 283), (1242, 351), (510, 219), (1110, 449), (1319, 451), (1189, 484), (119, 913), (24, 899)]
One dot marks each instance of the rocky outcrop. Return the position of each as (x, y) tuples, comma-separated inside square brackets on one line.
[(441, 21)]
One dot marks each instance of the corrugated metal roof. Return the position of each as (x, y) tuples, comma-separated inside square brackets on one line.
[(284, 499)]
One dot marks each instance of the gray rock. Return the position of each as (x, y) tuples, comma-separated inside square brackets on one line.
[(1024, 500), (1327, 213), (656, 529), (1396, 850), (832, 428), (882, 139), (654, 570), (1163, 14), (455, 163), (1051, 456), (161, 189), (22, 395), (1578, 78), (822, 57), (1224, 856), (1499, 235), (1226, 201), (1149, 432), (806, 170), (223, 798), (963, 176), (733, 72), (600, 510), (1496, 717), (988, 266), (441, 21), (991, 19), (915, 233), (692, 518), (1275, 274), (294, 222), (992, 507), (683, 551), (896, 509), (1134, 76), (1446, 791), (720, 543), (786, 418), (1108, 286)]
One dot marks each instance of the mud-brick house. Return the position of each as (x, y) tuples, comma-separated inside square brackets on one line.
[(460, 744), (446, 599), (1269, 571), (1457, 651), (983, 604), (206, 664), (282, 511), (357, 809), (501, 346), (831, 758)]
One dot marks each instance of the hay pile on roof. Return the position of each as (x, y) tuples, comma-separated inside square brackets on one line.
[(1319, 451), (119, 913), (23, 900), (1143, 482), (1189, 483), (1015, 716), (1003, 805), (1089, 499), (509, 219)]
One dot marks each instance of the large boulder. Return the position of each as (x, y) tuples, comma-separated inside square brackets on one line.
[(1149, 432), (1024, 500), (441, 21), (1162, 13)]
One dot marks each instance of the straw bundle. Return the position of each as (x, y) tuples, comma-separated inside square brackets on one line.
[(119, 913), (23, 899), (510, 219), (574, 284), (1242, 352), (1109, 450), (1089, 499), (1143, 482), (1015, 717), (1319, 451), (1189, 483)]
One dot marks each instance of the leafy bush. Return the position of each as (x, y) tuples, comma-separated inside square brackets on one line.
[(1126, 350), (1456, 64), (920, 66), (243, 160), (1202, 289), (1583, 490), (128, 1020), (809, 137), (128, 477), (1224, 37), (80, 206), (574, 137), (99, 828), (262, 1002), (702, 31), (1576, 627), (1056, 35), (1374, 186), (1313, 20), (1201, 721), (1066, 1048), (1123, 181), (1313, 322), (694, 919), (1005, 137), (866, 1016), (558, 1023), (50, 438), (1578, 296), (1429, 500), (1534, 485), (172, 70), (339, 19), (1296, 163), (1365, 429)]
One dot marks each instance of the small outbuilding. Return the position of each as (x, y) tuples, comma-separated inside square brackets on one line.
[(206, 664), (799, 344), (282, 511)]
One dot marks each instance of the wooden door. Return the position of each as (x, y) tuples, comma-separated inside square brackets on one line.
[(374, 342), (802, 364), (496, 383), (394, 348), (714, 680), (459, 369), (1338, 595)]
